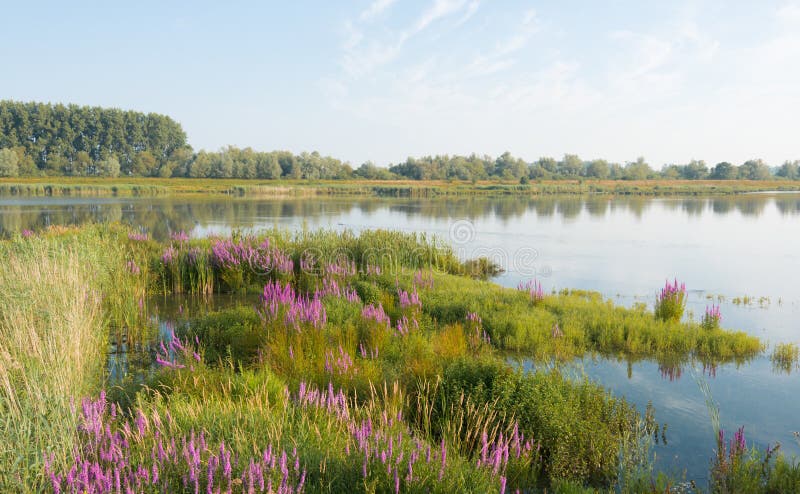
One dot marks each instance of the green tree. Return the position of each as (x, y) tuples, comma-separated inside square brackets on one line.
[(144, 164), (637, 170), (9, 166), (754, 170), (82, 164), (200, 167), (671, 172), (549, 165), (26, 164), (695, 170), (570, 166), (598, 169), (789, 170), (109, 167), (724, 171)]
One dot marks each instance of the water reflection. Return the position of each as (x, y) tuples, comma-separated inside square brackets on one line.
[(159, 216)]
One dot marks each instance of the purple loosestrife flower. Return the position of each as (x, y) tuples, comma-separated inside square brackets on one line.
[(27, 233), (169, 255), (138, 236), (407, 299), (534, 289), (132, 268), (180, 236), (372, 270), (423, 280), (671, 301), (376, 313), (712, 317)]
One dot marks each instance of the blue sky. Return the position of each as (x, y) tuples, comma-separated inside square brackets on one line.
[(383, 80)]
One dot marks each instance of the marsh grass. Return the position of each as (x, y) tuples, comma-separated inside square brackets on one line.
[(785, 357), (351, 344)]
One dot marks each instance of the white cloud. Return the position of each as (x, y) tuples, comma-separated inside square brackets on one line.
[(363, 55), (500, 58), (789, 13), (438, 10), (472, 8), (375, 9)]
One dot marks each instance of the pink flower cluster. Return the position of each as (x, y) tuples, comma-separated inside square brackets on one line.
[(132, 268), (474, 318), (227, 254), (309, 396), (672, 290), (138, 236), (409, 299), (180, 236), (534, 289), (423, 279), (342, 267), (331, 287), (712, 317), (296, 309), (170, 255), (340, 363), (175, 350), (372, 270), (403, 327), (376, 313), (108, 459), (371, 354)]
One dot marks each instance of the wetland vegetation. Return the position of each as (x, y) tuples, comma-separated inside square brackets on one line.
[(377, 361)]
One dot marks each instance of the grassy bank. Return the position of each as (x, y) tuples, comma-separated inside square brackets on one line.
[(372, 363), (84, 186)]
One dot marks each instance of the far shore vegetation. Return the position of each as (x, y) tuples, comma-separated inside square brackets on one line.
[(144, 186), (56, 140)]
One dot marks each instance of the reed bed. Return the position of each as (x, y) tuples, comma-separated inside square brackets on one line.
[(52, 345)]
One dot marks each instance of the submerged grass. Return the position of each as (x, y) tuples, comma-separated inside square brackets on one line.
[(785, 357)]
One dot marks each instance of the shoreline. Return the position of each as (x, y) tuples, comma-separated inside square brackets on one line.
[(125, 187)]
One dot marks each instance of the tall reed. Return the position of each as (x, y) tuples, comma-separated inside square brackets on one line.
[(52, 343)]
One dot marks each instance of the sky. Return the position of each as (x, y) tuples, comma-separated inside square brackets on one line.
[(382, 80)]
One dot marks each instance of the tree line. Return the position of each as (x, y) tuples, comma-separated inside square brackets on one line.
[(43, 139)]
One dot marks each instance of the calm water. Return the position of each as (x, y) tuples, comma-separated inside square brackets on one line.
[(625, 248)]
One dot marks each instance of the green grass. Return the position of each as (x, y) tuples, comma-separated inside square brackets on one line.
[(130, 186)]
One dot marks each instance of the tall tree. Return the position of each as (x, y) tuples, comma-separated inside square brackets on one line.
[(8, 163)]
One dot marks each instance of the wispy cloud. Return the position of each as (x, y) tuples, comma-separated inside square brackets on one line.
[(500, 58), (472, 8), (363, 55), (439, 9), (375, 9)]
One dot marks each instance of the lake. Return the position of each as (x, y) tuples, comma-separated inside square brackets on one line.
[(724, 248)]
